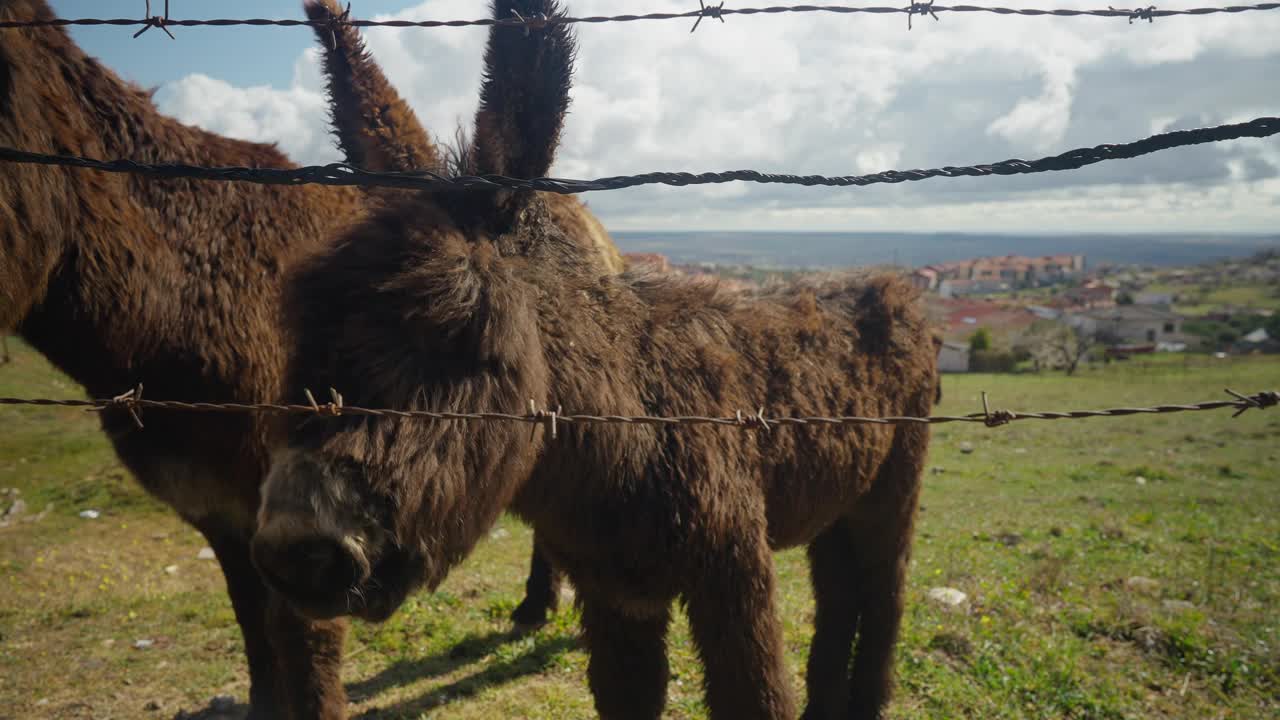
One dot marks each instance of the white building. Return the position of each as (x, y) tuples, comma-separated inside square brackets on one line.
[(953, 358), (1130, 324)]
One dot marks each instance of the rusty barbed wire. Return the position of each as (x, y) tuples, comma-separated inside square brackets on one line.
[(133, 403), (346, 175), (705, 10), (160, 21)]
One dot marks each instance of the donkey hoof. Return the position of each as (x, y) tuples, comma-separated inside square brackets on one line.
[(529, 617)]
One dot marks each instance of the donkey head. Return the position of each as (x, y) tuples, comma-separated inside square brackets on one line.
[(420, 305)]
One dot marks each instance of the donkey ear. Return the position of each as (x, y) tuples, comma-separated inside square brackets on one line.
[(525, 93), (375, 127)]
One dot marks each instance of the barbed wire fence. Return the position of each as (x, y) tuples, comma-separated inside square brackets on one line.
[(133, 403), (716, 11), (341, 174)]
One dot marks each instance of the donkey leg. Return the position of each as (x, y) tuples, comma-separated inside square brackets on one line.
[(309, 658), (249, 601), (881, 526), (736, 629), (627, 669), (835, 624), (541, 591)]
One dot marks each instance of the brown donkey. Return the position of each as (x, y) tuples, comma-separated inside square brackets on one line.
[(377, 130), (117, 278), (151, 285), (476, 300)]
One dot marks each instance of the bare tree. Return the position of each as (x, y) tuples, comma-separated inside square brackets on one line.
[(1056, 345)]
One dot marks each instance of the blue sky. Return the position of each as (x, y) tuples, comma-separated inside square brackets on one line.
[(242, 56), (809, 94)]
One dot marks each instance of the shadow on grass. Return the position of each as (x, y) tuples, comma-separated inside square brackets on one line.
[(536, 659), (403, 672), (223, 708)]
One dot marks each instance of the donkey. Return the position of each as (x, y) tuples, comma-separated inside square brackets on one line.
[(458, 300), (151, 285), (377, 130), (116, 278)]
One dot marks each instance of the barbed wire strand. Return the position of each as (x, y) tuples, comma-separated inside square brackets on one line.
[(344, 175), (134, 404), (717, 11)]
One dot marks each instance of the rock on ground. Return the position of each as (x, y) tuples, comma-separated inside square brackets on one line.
[(18, 507), (947, 597), (1142, 585)]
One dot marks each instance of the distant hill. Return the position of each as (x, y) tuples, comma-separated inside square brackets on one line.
[(798, 250)]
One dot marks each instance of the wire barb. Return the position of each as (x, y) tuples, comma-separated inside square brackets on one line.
[(756, 420), (997, 418), (920, 8), (334, 24), (708, 11), (548, 417), (130, 402), (533, 22), (1261, 401), (1147, 13), (333, 408), (150, 21)]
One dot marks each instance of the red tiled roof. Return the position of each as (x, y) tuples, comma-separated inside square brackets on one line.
[(963, 317)]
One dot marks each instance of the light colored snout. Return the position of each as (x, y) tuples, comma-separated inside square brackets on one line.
[(318, 573), (309, 546)]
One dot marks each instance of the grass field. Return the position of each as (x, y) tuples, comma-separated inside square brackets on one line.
[(1044, 526), (1198, 300)]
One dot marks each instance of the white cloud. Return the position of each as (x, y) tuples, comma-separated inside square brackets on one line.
[(817, 93), (294, 118), (1041, 122)]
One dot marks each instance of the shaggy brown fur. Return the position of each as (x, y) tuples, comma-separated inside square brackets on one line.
[(119, 279), (379, 131), (465, 301)]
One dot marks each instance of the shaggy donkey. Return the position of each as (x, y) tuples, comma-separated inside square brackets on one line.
[(378, 131), (476, 300), (117, 278)]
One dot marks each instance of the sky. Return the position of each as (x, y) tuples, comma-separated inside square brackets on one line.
[(805, 94)]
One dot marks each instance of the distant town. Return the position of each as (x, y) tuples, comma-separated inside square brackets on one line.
[(1055, 312)]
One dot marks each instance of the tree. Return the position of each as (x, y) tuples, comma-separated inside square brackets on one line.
[(1124, 298), (980, 341), (1055, 345)]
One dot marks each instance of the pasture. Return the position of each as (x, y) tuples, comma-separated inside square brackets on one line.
[(1113, 568)]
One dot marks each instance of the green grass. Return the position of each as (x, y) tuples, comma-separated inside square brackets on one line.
[(1041, 525), (1202, 300)]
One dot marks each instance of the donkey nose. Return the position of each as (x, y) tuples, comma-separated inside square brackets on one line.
[(312, 570)]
